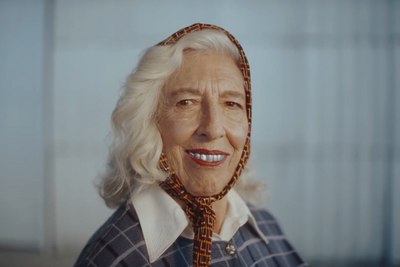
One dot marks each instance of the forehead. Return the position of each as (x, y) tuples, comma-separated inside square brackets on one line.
[(202, 71)]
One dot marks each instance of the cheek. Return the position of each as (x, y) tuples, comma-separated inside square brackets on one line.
[(175, 131), (241, 135), (237, 134), (175, 134)]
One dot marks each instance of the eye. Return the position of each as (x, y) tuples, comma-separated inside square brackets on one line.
[(232, 104), (185, 102)]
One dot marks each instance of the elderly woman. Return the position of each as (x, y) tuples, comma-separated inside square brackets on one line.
[(182, 139)]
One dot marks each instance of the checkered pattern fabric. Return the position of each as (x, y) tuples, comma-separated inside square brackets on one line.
[(120, 242), (198, 209)]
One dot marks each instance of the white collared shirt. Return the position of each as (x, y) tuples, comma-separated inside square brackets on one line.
[(162, 220)]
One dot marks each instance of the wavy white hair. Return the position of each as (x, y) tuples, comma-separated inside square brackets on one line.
[(137, 144)]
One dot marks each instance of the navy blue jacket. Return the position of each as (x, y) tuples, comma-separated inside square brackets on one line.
[(120, 242)]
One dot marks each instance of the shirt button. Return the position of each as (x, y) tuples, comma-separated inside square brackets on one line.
[(230, 249)]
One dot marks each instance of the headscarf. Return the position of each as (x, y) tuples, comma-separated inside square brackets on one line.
[(198, 208)]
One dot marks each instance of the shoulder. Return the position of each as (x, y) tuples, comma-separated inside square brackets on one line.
[(279, 248), (260, 214), (118, 234), (266, 221)]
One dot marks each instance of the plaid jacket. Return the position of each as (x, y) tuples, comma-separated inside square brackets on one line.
[(120, 242)]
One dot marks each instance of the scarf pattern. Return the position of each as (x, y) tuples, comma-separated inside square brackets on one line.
[(199, 208)]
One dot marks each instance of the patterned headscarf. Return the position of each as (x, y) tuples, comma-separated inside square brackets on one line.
[(198, 209)]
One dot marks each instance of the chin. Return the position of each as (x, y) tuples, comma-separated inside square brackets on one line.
[(205, 190)]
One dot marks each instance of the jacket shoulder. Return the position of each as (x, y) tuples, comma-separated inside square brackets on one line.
[(115, 236), (266, 221)]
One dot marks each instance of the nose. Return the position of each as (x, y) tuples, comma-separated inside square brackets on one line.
[(211, 126)]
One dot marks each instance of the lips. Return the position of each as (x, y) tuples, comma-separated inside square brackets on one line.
[(206, 157)]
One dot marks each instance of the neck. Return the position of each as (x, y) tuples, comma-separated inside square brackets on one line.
[(220, 208)]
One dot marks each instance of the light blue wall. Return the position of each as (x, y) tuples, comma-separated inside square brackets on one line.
[(21, 124), (326, 97)]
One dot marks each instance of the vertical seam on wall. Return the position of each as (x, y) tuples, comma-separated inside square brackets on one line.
[(48, 138), (387, 257)]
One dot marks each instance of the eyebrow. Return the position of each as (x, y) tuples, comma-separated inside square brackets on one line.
[(186, 90), (227, 93), (236, 94)]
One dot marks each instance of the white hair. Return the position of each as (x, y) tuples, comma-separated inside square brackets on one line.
[(137, 144)]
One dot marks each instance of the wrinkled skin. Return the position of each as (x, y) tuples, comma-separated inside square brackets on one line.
[(203, 106)]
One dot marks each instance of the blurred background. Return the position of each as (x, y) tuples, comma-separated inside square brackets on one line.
[(326, 131)]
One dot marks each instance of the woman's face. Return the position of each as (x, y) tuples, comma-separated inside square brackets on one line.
[(203, 122)]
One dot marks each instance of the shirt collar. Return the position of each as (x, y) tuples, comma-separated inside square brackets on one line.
[(162, 220)]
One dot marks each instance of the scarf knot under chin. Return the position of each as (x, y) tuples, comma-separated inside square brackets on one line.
[(201, 216), (199, 211)]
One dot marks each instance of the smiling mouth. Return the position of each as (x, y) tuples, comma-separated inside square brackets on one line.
[(207, 157)]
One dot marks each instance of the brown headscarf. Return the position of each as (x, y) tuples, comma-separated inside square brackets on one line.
[(198, 208)]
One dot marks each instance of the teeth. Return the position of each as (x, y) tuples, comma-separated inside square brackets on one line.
[(205, 157)]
